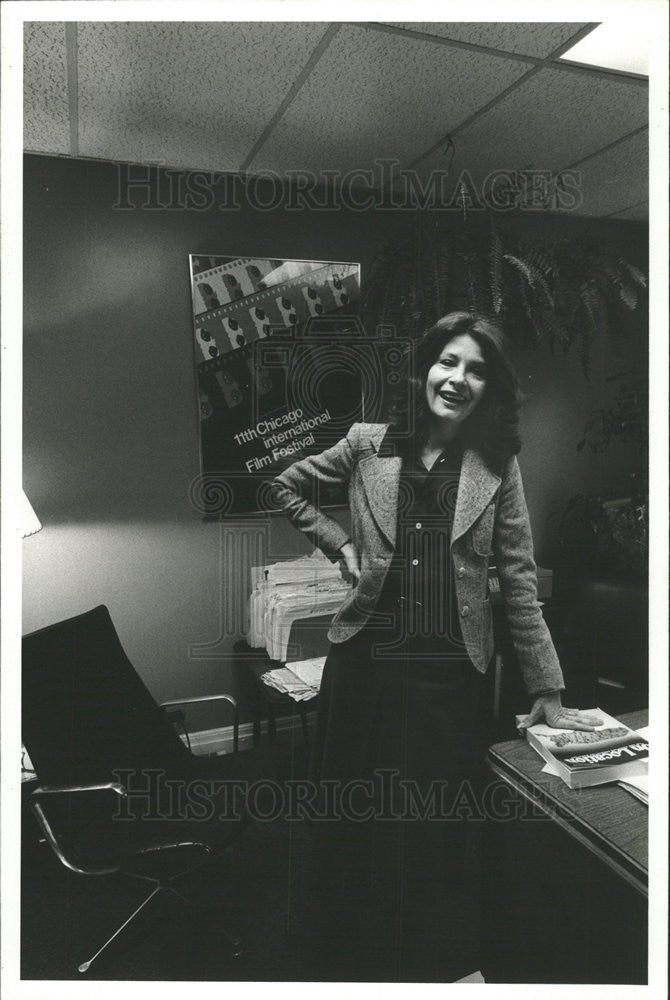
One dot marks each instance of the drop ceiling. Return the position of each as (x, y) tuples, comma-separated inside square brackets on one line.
[(290, 96)]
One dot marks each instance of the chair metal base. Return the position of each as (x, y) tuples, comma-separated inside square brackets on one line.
[(234, 943)]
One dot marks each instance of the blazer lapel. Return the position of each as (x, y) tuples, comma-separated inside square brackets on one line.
[(381, 481), (476, 486)]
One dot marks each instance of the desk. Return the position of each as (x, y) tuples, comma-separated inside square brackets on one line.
[(567, 879), (256, 662)]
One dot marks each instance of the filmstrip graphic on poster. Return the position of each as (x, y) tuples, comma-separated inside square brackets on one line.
[(278, 363)]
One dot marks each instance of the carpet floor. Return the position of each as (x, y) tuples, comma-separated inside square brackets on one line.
[(258, 892)]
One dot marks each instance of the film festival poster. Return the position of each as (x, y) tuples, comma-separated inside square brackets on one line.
[(283, 365)]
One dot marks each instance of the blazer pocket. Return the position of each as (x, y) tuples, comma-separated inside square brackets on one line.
[(482, 532)]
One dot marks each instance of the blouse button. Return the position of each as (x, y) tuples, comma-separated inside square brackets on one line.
[(465, 611), (418, 524), (461, 572), (415, 562)]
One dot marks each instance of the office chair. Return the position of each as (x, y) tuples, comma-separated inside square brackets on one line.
[(119, 792)]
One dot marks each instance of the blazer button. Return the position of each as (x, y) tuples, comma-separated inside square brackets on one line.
[(465, 611), (461, 572)]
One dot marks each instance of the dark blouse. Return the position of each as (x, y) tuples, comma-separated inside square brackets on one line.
[(418, 599)]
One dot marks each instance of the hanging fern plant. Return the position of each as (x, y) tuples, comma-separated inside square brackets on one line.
[(495, 269), (559, 293)]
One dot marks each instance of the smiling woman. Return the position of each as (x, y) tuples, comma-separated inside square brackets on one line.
[(462, 382), (433, 494), (455, 384)]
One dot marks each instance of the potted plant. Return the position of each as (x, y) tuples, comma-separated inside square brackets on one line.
[(608, 533)]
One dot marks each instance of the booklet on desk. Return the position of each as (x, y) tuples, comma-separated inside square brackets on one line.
[(612, 752)]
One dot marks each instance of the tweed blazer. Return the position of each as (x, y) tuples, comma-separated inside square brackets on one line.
[(490, 519)]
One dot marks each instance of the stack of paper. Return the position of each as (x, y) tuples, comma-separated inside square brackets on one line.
[(285, 592), (312, 567), (639, 786), (300, 680)]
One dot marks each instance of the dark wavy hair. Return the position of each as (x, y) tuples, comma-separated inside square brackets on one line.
[(493, 427)]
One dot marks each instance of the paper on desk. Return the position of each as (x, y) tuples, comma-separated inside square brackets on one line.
[(304, 569), (639, 785), (282, 610), (300, 680), (285, 681), (309, 671)]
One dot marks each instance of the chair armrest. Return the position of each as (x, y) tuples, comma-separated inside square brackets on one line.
[(45, 790), (211, 697), (68, 858)]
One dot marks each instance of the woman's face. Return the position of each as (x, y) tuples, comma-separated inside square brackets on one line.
[(456, 382)]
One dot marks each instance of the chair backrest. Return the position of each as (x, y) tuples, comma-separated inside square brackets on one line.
[(86, 712)]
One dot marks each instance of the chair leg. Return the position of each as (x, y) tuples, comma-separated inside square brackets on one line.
[(303, 719), (272, 723), (209, 857), (85, 966), (234, 942)]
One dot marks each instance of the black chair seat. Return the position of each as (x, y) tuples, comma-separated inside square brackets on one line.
[(155, 810)]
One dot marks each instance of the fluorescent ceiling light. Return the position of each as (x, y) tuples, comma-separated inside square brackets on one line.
[(613, 45)]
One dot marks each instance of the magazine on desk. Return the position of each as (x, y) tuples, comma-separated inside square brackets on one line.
[(612, 752)]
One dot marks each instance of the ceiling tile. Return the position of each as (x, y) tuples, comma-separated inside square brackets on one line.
[(186, 94), (376, 94), (46, 121), (616, 179), (200, 95), (524, 39), (547, 123)]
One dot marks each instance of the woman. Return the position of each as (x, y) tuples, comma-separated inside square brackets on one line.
[(432, 495)]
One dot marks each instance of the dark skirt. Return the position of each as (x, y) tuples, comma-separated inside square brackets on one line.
[(399, 747)]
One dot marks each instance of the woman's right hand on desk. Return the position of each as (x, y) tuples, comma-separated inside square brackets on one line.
[(548, 708), (349, 563)]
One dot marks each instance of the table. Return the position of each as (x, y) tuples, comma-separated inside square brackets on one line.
[(567, 877), (256, 662)]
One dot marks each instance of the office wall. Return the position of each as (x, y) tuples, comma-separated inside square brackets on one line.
[(110, 417)]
